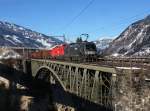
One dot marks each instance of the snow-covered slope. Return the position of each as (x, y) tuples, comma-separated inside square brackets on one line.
[(102, 44), (135, 40), (18, 36)]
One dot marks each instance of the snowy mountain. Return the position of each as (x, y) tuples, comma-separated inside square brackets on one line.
[(135, 40), (102, 44), (18, 36)]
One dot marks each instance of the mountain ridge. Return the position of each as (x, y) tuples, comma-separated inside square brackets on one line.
[(18, 36), (102, 44), (133, 41)]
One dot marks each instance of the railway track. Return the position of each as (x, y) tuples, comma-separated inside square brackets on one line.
[(112, 63), (116, 62)]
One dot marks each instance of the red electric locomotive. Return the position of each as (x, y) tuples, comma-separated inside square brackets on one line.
[(82, 51), (53, 53), (40, 54), (57, 51)]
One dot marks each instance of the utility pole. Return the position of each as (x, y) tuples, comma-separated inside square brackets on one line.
[(64, 38)]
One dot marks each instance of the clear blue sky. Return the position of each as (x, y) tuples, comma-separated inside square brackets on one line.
[(103, 18)]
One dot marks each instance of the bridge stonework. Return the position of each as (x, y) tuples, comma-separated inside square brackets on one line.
[(92, 83)]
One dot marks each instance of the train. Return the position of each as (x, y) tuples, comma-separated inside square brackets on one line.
[(51, 53), (82, 51)]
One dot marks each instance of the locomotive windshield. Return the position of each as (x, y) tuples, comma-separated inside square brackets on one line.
[(91, 47)]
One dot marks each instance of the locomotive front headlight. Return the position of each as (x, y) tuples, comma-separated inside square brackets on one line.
[(90, 52), (75, 48)]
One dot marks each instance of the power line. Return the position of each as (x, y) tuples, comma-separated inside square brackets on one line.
[(124, 19), (79, 14)]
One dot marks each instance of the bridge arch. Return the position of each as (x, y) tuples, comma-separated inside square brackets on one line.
[(52, 73)]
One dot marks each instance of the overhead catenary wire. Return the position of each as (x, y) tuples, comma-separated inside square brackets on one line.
[(78, 15), (113, 25), (117, 24), (125, 20)]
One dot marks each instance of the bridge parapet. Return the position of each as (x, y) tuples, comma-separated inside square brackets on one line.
[(93, 83)]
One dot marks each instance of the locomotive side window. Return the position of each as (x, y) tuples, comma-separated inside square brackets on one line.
[(72, 45), (90, 47)]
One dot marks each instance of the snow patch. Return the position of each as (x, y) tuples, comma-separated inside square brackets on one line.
[(25, 36), (21, 28), (128, 68), (16, 39), (115, 55), (11, 41), (130, 45), (103, 43), (143, 52), (45, 43), (7, 36), (7, 54)]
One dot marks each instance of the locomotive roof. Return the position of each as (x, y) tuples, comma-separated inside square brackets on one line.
[(84, 42)]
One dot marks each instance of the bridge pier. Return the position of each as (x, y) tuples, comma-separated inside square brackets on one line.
[(26, 64)]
